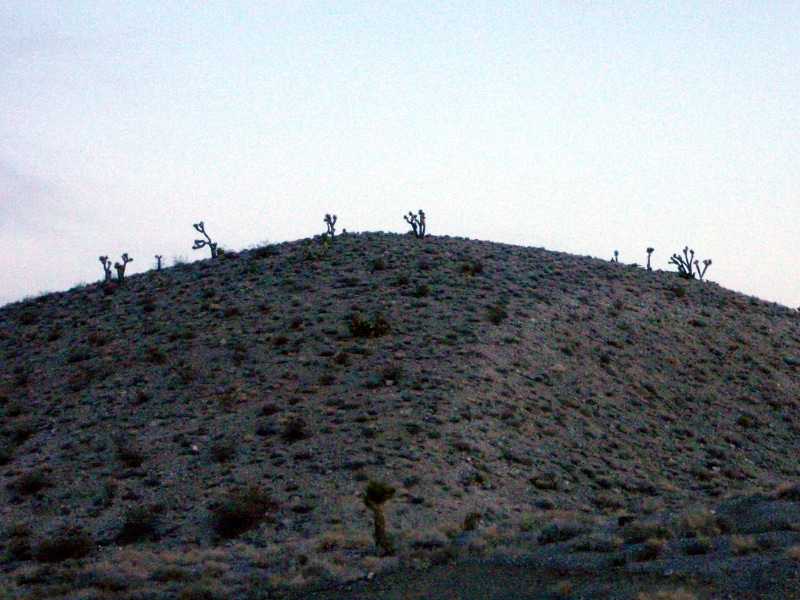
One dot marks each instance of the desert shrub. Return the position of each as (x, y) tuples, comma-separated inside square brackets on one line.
[(6, 453), (222, 451), (139, 523), (68, 541), (129, 453), (560, 531), (265, 252), (678, 594), (698, 545), (545, 481), (294, 430), (472, 268), (240, 511), (169, 573), (696, 523), (21, 429), (744, 544), (421, 291), (29, 483), (377, 327), (637, 532), (18, 542), (787, 491), (471, 521), (597, 543), (497, 312), (652, 549), (203, 591)]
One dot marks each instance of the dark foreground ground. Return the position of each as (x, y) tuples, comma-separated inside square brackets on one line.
[(757, 577)]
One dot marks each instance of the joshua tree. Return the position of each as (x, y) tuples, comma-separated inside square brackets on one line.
[(649, 252), (688, 266), (330, 222), (106, 267), (121, 267), (158, 265), (417, 223), (616, 256), (375, 496), (206, 242)]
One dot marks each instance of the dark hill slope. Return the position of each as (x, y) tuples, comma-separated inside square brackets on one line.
[(512, 379)]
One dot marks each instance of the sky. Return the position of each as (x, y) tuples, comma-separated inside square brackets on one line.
[(582, 127)]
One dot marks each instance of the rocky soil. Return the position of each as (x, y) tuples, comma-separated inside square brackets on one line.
[(504, 391)]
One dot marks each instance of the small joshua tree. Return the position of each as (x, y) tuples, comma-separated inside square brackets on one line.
[(649, 252), (375, 496), (158, 264), (121, 267), (417, 223), (330, 221), (688, 266), (206, 242), (106, 267), (616, 256)]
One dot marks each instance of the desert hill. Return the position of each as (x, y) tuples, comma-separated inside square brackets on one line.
[(477, 378)]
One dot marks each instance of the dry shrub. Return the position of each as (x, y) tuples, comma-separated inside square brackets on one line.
[(240, 511), (652, 549), (68, 541), (563, 589), (697, 523), (637, 532), (679, 594), (698, 545), (793, 552), (744, 544)]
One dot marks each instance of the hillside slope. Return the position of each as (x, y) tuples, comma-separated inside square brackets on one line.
[(511, 381)]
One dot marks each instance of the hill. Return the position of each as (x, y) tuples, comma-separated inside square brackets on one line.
[(499, 389)]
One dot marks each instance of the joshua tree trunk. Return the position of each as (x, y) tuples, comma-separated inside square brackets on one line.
[(381, 539)]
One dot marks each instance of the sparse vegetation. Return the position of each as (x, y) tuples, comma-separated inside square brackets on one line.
[(143, 413), (376, 327), (239, 511), (65, 542)]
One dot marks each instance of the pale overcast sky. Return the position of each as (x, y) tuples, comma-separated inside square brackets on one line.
[(584, 127)]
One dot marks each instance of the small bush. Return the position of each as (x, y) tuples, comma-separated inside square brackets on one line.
[(744, 544), (560, 531), (652, 549), (473, 268), (421, 291), (138, 524), (18, 542), (29, 483), (471, 521), (497, 312), (698, 545), (679, 594), (129, 453), (377, 327), (240, 511), (294, 430), (69, 541), (697, 523), (222, 451), (637, 532), (6, 453)]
